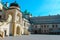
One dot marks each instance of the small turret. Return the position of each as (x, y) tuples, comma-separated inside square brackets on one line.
[(27, 14)]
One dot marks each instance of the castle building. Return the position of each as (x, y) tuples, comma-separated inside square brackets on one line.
[(11, 20), (45, 24), (14, 22)]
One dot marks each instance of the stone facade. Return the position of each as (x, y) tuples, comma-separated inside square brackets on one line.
[(14, 22), (26, 26), (11, 20), (45, 24)]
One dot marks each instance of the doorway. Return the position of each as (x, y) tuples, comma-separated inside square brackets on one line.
[(5, 31), (18, 30), (35, 32)]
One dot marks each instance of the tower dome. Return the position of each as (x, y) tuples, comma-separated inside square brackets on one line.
[(14, 4)]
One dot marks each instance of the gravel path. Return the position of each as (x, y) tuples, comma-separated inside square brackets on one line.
[(33, 37)]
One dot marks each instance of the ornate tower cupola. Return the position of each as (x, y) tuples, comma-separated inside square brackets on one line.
[(14, 5)]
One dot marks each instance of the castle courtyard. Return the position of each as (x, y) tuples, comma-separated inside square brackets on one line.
[(33, 37)]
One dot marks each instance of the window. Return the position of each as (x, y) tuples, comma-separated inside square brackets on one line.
[(5, 32), (44, 26), (41, 26), (0, 16), (47, 26), (56, 26), (18, 19), (53, 26), (35, 26), (44, 30), (24, 24), (50, 29)]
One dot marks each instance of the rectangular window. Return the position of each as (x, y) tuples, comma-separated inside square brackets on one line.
[(24, 24), (44, 30), (47, 26), (44, 26), (0, 16), (41, 26), (35, 26), (56, 26), (50, 29), (53, 26)]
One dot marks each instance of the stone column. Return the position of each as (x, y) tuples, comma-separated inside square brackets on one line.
[(14, 28)]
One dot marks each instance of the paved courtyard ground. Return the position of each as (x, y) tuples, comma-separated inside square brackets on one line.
[(33, 37)]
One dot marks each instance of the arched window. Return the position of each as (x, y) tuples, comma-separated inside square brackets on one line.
[(18, 30)]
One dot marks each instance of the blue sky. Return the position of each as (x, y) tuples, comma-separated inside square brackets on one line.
[(39, 7)]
